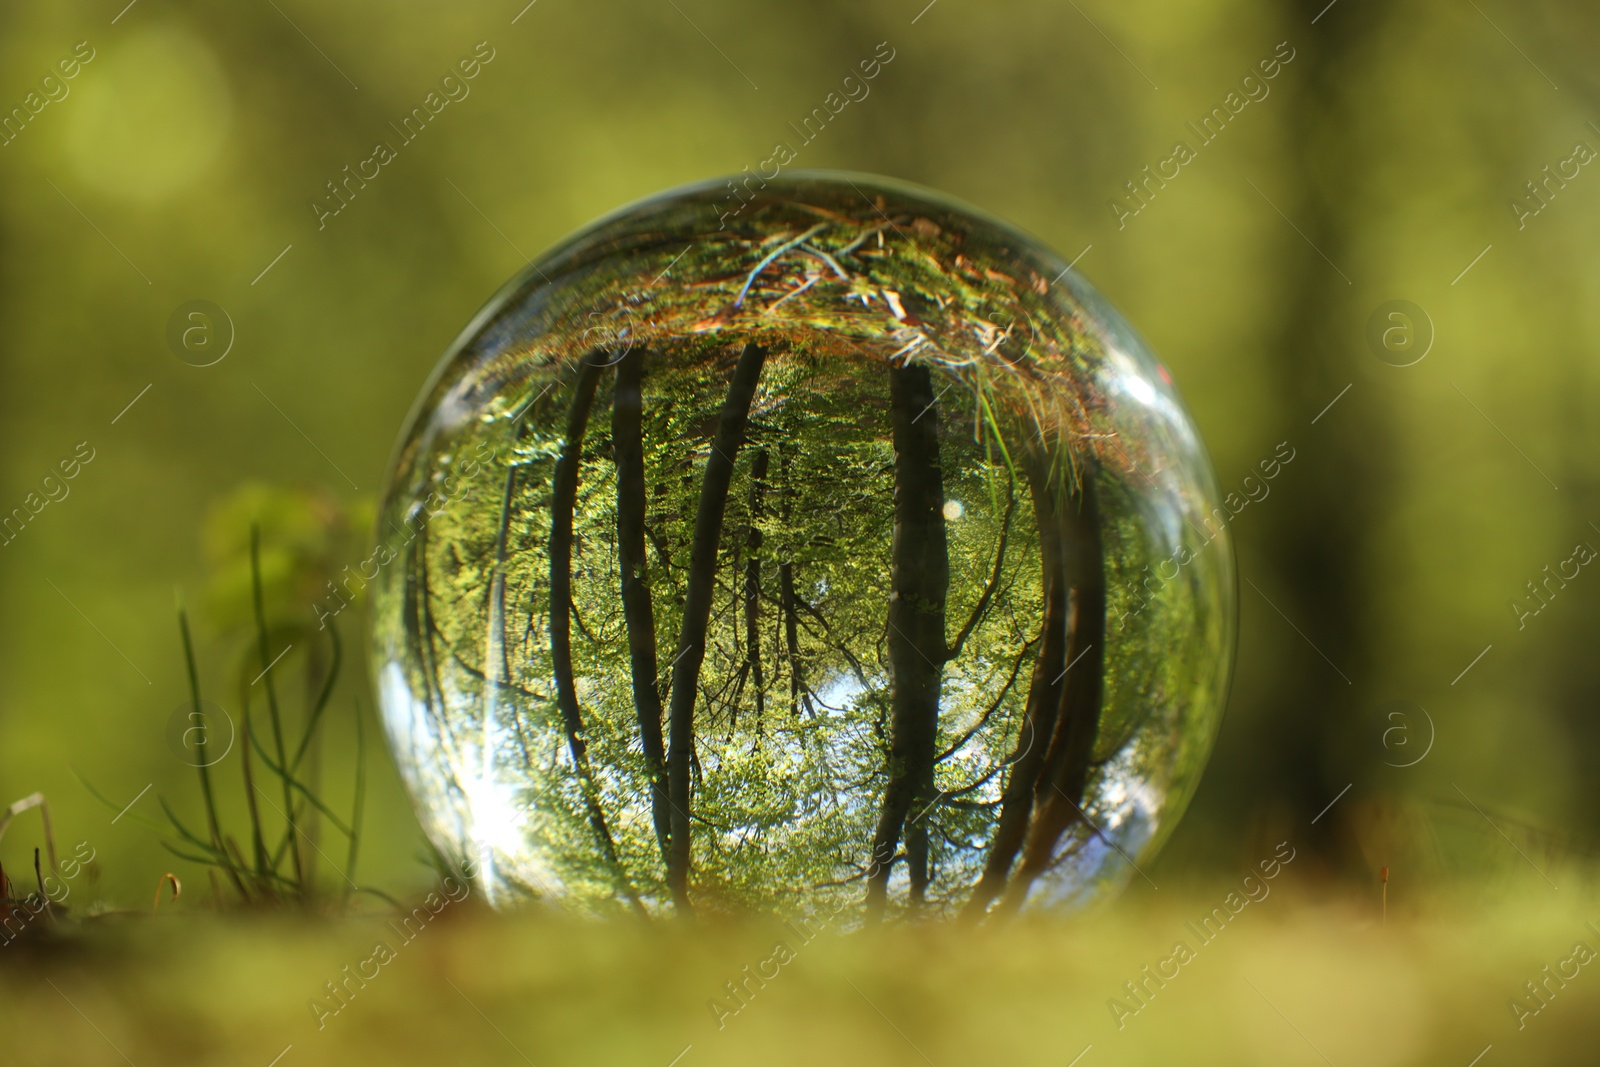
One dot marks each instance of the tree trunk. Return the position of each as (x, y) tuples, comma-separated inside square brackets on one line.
[(495, 661), (563, 499), (752, 583), (1044, 697), (920, 579), (798, 692), (1058, 794), (700, 589), (627, 409), (428, 654)]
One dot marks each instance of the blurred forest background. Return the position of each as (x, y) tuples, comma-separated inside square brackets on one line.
[(182, 164)]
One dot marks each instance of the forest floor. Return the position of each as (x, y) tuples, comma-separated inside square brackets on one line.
[(1288, 980)]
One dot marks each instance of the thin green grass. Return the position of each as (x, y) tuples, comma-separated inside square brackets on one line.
[(284, 859)]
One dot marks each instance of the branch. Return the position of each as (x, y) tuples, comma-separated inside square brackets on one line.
[(982, 606)]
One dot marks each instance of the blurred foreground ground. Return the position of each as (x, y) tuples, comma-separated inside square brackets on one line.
[(1290, 980)]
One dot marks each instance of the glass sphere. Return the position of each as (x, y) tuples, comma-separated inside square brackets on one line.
[(815, 543)]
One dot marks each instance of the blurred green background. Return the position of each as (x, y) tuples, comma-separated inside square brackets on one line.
[(182, 162)]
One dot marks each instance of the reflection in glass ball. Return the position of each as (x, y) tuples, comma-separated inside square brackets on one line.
[(843, 550)]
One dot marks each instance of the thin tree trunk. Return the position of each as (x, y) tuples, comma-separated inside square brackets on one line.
[(439, 708), (1059, 793), (1044, 699), (920, 579), (432, 664), (798, 692), (638, 608), (701, 586), (563, 499), (752, 584), (836, 643), (494, 638)]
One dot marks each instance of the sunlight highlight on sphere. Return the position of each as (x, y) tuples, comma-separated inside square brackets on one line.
[(815, 544)]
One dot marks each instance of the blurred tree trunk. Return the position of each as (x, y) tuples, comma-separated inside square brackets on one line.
[(1576, 666), (1314, 539)]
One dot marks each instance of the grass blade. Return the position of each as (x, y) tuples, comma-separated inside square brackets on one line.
[(359, 803), (322, 697), (197, 710), (272, 698), (294, 782)]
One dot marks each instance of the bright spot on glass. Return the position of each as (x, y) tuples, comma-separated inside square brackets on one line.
[(953, 510)]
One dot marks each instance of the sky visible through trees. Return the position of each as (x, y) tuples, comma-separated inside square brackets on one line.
[(855, 552)]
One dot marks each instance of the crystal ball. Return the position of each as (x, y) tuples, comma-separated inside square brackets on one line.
[(809, 543)]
